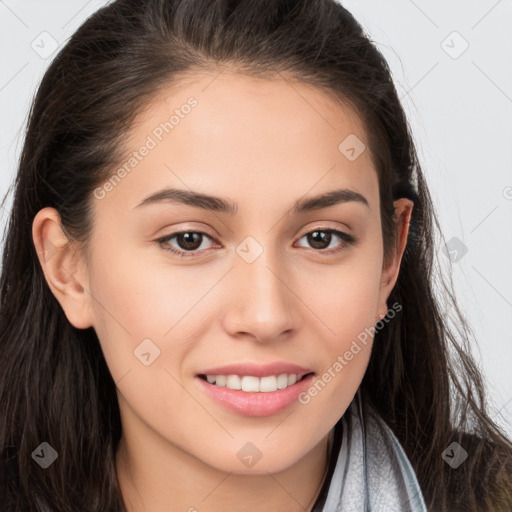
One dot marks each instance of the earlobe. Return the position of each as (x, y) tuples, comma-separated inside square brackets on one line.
[(63, 267)]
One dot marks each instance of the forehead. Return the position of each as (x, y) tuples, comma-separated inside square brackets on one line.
[(228, 101), (246, 134)]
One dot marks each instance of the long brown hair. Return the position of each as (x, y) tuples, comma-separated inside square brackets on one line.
[(55, 386)]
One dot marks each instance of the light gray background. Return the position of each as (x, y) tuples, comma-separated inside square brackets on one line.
[(459, 105)]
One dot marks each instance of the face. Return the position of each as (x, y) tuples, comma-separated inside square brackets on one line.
[(268, 278)]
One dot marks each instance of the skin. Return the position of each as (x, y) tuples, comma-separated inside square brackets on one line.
[(262, 144)]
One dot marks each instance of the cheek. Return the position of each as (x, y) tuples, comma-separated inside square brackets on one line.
[(128, 306), (348, 316), (135, 300), (345, 301), (134, 310), (349, 313), (345, 298)]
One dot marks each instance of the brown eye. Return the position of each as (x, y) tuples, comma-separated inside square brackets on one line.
[(188, 242), (320, 239)]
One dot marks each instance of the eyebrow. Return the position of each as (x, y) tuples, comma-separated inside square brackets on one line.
[(218, 204)]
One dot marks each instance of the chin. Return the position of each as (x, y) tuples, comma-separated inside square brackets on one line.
[(248, 461)]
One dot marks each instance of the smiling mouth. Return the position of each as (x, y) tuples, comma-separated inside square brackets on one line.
[(253, 384)]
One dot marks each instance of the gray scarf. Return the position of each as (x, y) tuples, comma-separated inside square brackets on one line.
[(372, 473)]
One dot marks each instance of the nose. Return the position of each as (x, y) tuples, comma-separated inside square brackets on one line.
[(262, 303)]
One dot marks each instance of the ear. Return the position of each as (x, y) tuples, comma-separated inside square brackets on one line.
[(63, 267), (402, 218)]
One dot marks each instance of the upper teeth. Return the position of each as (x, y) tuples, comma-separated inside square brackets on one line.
[(252, 384)]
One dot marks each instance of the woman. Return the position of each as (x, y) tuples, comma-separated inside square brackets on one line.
[(217, 288)]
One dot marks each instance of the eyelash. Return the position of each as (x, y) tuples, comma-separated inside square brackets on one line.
[(347, 239)]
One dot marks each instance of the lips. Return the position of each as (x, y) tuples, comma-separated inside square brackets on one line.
[(256, 404), (245, 399)]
